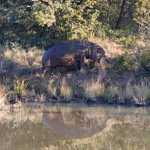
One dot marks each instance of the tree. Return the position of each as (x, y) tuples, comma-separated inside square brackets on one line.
[(121, 14), (142, 17), (126, 11)]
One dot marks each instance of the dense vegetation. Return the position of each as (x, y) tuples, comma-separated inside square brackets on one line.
[(121, 27), (43, 22)]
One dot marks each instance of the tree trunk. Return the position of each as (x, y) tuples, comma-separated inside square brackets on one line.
[(120, 15)]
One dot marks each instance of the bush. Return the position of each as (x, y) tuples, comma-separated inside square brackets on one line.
[(126, 42), (145, 59), (117, 65), (122, 63)]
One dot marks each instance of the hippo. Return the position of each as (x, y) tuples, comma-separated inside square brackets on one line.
[(74, 122), (71, 53)]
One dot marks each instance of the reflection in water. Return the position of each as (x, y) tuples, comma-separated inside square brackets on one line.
[(72, 128), (74, 123)]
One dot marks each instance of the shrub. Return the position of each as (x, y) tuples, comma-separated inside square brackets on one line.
[(126, 42), (118, 64), (145, 59), (125, 62), (20, 87)]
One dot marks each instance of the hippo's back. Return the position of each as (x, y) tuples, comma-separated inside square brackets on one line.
[(71, 46)]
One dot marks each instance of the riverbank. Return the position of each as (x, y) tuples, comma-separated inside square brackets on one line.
[(124, 82)]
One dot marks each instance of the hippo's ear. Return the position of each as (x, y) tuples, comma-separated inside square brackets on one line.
[(87, 54)]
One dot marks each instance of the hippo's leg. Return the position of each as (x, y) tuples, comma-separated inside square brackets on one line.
[(43, 70), (80, 63), (53, 70)]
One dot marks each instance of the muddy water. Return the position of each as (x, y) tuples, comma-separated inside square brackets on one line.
[(40, 127)]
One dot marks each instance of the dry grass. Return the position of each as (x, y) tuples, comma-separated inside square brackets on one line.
[(93, 89), (139, 92), (18, 61), (20, 87), (142, 91), (18, 72), (65, 90), (111, 48), (41, 97), (19, 55), (3, 95), (51, 89)]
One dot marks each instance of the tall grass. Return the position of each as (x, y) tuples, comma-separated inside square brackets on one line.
[(30, 57), (65, 90), (20, 87), (133, 92), (3, 95), (51, 89), (93, 89), (41, 97), (142, 91)]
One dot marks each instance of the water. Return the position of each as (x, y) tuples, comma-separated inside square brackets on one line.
[(33, 127)]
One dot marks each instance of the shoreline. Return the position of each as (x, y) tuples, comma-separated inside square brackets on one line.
[(82, 103)]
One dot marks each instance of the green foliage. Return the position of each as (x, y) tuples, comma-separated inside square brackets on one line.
[(122, 32), (122, 63), (118, 64), (145, 58), (108, 31), (44, 22), (43, 14), (126, 42), (131, 62), (142, 17), (148, 97), (19, 87)]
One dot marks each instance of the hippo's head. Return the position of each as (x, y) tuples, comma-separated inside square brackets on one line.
[(104, 61), (98, 55)]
